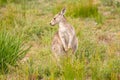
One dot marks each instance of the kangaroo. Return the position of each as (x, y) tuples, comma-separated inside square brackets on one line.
[(65, 38)]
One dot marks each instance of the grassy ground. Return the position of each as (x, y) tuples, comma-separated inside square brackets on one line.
[(98, 31)]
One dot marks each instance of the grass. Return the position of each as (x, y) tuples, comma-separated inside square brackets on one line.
[(11, 50), (97, 57), (80, 8)]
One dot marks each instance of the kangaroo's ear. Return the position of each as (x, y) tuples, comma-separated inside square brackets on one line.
[(63, 11)]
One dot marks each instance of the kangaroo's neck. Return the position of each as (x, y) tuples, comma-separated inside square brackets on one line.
[(63, 22)]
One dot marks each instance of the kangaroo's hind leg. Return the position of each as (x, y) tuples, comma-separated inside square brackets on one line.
[(75, 45), (58, 52)]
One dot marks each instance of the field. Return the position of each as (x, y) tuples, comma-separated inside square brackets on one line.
[(25, 40)]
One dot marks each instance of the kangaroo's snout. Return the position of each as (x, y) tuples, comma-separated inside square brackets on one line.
[(51, 24)]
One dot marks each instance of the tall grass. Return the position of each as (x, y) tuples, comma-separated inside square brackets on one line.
[(11, 50), (82, 9), (88, 49), (3, 2)]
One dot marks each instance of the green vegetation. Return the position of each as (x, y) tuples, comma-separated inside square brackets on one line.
[(80, 8), (25, 23), (11, 50)]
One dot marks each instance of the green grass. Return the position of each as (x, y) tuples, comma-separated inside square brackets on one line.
[(27, 24), (11, 50), (80, 8)]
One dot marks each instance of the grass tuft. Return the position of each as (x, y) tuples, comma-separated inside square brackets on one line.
[(11, 50)]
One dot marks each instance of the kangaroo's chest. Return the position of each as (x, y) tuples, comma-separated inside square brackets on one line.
[(63, 32)]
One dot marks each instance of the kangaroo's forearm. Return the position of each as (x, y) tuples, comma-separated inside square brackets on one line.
[(63, 41), (70, 42)]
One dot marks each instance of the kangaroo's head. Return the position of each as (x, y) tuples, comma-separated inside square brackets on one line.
[(58, 17)]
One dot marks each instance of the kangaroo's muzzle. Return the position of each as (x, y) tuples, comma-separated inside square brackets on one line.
[(51, 24)]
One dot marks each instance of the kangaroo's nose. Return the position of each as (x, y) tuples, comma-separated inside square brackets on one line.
[(50, 24)]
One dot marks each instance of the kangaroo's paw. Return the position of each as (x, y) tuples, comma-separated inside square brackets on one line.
[(69, 47), (66, 49)]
